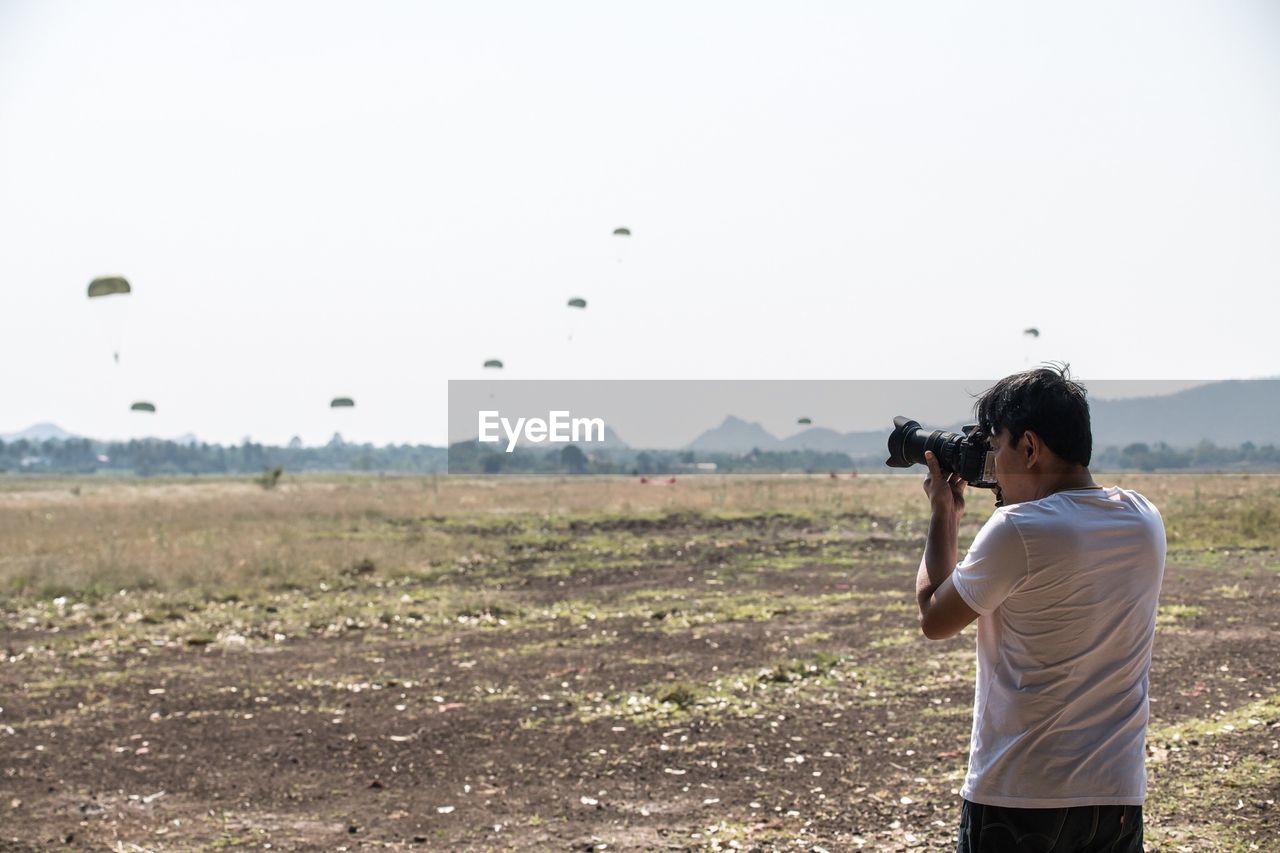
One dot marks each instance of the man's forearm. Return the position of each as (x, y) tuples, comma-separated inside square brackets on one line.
[(939, 556)]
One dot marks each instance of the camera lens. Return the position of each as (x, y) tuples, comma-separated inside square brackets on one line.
[(909, 441), (904, 429), (965, 454)]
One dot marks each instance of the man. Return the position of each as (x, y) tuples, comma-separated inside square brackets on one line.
[(1063, 580)]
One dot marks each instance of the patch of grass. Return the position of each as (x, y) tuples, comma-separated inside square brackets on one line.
[(814, 637), (1256, 715), (1244, 518), (896, 638), (682, 694), (788, 671), (488, 611), (673, 611), (741, 694), (1171, 614)]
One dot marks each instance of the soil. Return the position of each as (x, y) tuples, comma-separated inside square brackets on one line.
[(478, 735)]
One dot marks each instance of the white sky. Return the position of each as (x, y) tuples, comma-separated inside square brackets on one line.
[(367, 199)]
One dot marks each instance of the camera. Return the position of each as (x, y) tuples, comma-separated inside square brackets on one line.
[(966, 453)]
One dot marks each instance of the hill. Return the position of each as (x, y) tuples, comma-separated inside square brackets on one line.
[(734, 435), (39, 432)]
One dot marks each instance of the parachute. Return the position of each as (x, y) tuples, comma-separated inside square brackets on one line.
[(620, 245), (494, 363), (108, 285), (142, 406), (575, 302), (1030, 335), (341, 416), (805, 421)]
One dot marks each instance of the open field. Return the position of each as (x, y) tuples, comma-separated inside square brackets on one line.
[(552, 664)]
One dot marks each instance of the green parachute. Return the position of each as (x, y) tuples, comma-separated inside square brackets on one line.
[(112, 285), (577, 302), (142, 406), (108, 286), (494, 363), (620, 245), (341, 403)]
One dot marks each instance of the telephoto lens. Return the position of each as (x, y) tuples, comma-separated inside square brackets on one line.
[(965, 453)]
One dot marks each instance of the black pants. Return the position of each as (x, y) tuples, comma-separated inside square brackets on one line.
[(1079, 829)]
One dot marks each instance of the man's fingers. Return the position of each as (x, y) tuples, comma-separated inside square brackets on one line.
[(935, 475)]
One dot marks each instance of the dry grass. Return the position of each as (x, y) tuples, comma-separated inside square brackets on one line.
[(93, 537)]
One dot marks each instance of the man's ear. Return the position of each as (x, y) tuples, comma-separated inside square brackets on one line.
[(1031, 448)]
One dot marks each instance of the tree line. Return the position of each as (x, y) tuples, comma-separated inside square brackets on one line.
[(151, 457)]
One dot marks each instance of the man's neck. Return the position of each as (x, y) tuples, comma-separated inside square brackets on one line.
[(1076, 477)]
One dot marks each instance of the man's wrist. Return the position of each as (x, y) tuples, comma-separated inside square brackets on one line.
[(946, 510)]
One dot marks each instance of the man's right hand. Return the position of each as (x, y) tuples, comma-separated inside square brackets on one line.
[(945, 491)]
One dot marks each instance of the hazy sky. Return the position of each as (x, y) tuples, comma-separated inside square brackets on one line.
[(368, 199)]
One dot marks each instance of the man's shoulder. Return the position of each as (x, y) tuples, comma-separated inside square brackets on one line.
[(1072, 513), (1137, 500), (1078, 500), (1001, 531)]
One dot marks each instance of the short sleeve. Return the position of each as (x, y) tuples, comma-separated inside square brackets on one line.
[(993, 567)]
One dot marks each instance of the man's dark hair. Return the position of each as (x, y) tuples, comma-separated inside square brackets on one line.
[(1046, 401)]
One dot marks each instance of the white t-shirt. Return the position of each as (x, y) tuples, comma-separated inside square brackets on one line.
[(1065, 588)]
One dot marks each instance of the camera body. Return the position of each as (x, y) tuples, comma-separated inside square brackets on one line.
[(966, 453)]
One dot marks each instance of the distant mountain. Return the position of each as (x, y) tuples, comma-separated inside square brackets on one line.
[(47, 431), (735, 435), (612, 441), (1225, 413), (815, 438), (39, 432)]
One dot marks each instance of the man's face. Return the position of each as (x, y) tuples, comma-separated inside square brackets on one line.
[(1012, 476)]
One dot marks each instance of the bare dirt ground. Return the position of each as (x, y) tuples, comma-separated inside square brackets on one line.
[(497, 666)]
